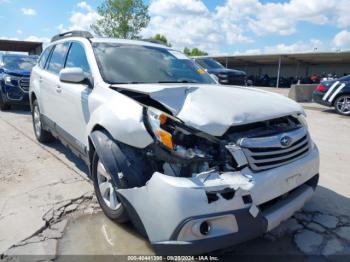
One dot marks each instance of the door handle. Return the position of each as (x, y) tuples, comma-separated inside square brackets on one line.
[(40, 79), (58, 89)]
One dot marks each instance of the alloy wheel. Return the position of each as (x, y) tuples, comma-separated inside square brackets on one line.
[(106, 187), (37, 121), (343, 105)]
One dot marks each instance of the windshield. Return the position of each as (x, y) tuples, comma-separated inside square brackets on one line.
[(209, 64), (19, 62), (132, 64)]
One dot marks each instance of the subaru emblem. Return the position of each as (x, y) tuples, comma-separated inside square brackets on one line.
[(286, 141)]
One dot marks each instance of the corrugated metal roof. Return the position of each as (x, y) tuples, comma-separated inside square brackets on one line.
[(287, 58), (19, 46)]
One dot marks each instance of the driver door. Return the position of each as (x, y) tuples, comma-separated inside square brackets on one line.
[(74, 99)]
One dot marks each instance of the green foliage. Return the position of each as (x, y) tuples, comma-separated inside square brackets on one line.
[(194, 52), (162, 39), (187, 51), (121, 18)]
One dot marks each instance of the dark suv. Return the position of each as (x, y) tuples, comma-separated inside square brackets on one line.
[(14, 79), (225, 76)]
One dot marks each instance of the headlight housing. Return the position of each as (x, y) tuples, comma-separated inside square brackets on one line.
[(172, 134), (223, 75), (11, 80), (157, 119), (302, 119)]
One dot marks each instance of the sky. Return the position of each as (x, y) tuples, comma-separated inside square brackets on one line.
[(215, 26)]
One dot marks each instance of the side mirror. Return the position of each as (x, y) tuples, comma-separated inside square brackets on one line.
[(1, 70), (72, 75)]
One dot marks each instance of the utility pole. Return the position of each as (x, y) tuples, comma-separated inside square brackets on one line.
[(278, 72)]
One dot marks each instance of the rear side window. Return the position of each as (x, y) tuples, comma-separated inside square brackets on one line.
[(58, 58), (44, 57), (77, 58)]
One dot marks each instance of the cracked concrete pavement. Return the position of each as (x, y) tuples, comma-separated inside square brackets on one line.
[(43, 187), (33, 179)]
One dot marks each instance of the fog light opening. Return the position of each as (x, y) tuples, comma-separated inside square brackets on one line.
[(204, 228)]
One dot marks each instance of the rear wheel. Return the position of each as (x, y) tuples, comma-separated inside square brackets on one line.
[(105, 189), (342, 105), (3, 105), (41, 134)]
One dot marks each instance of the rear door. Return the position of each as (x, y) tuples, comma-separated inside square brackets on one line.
[(50, 85), (39, 74)]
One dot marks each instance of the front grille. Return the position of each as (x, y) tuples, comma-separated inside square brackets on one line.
[(24, 84), (236, 80), (267, 152)]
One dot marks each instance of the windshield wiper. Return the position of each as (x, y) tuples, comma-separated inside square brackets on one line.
[(128, 83), (182, 81)]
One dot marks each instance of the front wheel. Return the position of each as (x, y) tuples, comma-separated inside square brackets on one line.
[(342, 105), (105, 189), (41, 134)]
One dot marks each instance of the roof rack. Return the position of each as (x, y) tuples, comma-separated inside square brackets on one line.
[(75, 33), (154, 41)]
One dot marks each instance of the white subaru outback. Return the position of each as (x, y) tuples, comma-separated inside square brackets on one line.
[(194, 165)]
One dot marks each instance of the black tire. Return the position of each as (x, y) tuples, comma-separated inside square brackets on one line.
[(4, 106), (342, 100), (119, 214), (41, 134)]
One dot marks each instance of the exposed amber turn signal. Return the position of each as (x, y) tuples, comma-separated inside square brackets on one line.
[(162, 119), (165, 138)]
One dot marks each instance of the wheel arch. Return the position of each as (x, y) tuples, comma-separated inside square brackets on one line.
[(342, 93), (32, 98)]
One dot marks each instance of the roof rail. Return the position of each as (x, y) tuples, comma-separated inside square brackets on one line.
[(154, 41), (76, 33)]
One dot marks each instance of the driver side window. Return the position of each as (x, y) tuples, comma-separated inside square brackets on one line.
[(77, 58)]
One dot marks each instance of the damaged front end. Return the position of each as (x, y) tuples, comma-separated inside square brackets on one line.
[(205, 193), (182, 151)]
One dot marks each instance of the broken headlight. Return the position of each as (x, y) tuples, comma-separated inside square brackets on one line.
[(157, 121), (171, 134)]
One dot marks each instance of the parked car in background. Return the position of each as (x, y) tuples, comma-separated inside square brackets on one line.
[(225, 75), (14, 79), (217, 165), (334, 93)]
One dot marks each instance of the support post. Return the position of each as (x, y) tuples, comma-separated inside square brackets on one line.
[(226, 61), (278, 72)]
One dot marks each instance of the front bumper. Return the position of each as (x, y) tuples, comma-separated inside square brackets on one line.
[(170, 209), (14, 95), (249, 227)]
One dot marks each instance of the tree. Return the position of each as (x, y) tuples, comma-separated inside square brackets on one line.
[(121, 18), (194, 52), (187, 51), (162, 39)]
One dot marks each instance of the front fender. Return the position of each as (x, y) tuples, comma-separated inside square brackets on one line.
[(117, 158), (123, 121)]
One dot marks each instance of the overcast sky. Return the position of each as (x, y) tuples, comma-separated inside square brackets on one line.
[(217, 26)]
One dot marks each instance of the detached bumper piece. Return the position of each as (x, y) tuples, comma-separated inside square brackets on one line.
[(245, 222)]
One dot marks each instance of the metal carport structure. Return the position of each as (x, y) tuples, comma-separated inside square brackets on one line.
[(297, 64), (32, 48)]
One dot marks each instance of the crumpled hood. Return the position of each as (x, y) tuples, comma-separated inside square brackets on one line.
[(214, 108)]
